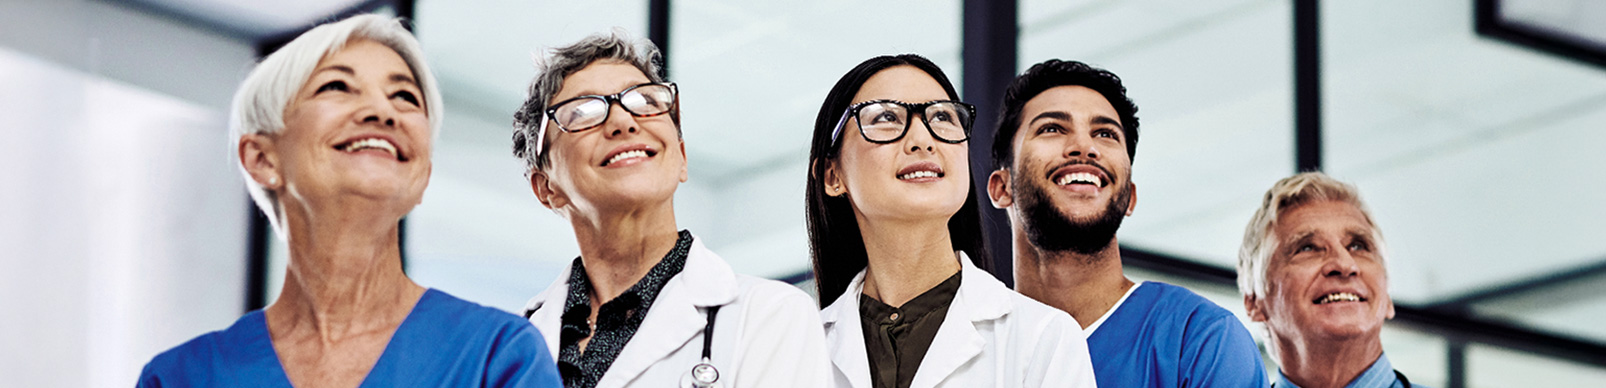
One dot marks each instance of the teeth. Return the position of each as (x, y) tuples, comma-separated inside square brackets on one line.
[(1338, 297), (373, 143), (1080, 177), (627, 155), (919, 174)]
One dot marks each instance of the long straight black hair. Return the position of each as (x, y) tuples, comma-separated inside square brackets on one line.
[(835, 244)]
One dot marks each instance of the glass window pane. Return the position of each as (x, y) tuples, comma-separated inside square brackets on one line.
[(480, 234), (1213, 83), (752, 77), (1479, 158)]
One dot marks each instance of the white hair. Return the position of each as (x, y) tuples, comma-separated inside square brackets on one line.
[(1254, 256), (265, 94)]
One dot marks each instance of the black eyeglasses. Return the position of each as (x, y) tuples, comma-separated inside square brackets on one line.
[(586, 112), (886, 121)]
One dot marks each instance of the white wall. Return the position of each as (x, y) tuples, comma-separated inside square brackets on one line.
[(122, 227)]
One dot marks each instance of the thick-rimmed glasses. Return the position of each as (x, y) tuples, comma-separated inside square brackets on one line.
[(589, 111), (886, 121)]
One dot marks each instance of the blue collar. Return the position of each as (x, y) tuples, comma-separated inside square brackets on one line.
[(1380, 375)]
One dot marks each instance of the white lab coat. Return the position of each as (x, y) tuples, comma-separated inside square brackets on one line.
[(767, 333), (991, 337)]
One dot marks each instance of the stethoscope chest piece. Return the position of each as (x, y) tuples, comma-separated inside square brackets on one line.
[(703, 375)]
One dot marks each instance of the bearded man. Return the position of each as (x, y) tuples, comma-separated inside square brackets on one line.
[(1062, 168)]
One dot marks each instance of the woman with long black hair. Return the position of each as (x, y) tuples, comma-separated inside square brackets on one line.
[(896, 240)]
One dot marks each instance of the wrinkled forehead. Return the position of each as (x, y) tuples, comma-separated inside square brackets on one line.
[(1322, 219), (600, 77)]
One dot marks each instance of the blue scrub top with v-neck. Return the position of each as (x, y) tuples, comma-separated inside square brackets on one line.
[(443, 342)]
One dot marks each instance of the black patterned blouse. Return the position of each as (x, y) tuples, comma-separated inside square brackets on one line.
[(617, 320)]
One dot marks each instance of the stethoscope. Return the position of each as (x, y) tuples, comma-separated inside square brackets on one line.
[(704, 374)]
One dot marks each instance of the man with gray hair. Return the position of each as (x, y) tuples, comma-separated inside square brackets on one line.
[(645, 304), (1312, 269)]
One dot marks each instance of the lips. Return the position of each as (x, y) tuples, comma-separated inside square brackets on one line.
[(372, 143), (921, 172), (1080, 174), (1339, 296), (625, 155)]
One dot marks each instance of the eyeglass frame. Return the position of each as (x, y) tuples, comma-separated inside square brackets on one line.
[(910, 110), (551, 112)]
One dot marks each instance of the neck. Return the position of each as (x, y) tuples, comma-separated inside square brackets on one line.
[(344, 277), (1085, 286), (619, 247), (905, 259), (1322, 363)]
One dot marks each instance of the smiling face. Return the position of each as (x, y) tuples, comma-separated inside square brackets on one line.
[(357, 127), (915, 177), (624, 163), (1069, 185), (1326, 278)]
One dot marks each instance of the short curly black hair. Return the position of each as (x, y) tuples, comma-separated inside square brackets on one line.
[(1054, 73)]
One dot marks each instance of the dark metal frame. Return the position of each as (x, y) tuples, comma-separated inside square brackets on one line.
[(1488, 22), (991, 37)]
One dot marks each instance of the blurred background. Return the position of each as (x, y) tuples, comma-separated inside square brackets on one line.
[(1472, 127)]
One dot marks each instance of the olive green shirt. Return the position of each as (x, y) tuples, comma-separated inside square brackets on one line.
[(896, 338)]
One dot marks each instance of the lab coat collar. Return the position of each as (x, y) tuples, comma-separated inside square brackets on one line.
[(980, 298), (674, 318)]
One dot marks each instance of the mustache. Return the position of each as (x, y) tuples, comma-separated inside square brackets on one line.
[(1050, 174)]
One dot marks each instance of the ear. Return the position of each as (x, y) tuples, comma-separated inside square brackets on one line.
[(549, 195), (998, 189), (684, 160), (259, 157), (1131, 203), (1390, 301), (1257, 314), (834, 186)]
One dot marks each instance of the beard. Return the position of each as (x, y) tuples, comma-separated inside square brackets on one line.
[(1050, 230)]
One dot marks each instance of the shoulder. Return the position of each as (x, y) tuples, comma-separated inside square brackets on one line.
[(201, 360), (1188, 306), (192, 355), (444, 311), (772, 295)]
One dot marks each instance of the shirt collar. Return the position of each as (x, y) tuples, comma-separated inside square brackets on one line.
[(1381, 374)]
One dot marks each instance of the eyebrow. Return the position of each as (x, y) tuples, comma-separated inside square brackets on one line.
[(396, 77), (1298, 238), (1054, 114), (1102, 119), (399, 77), (339, 68), (1058, 115)]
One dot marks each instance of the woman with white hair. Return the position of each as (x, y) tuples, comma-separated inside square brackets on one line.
[(333, 134)]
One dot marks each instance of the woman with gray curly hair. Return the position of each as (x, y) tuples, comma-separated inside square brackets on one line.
[(333, 134)]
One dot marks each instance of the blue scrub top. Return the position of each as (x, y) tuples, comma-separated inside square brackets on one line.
[(1167, 336), (444, 342)]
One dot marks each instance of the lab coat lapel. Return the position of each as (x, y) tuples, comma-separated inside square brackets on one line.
[(676, 317), (844, 335), (548, 307), (958, 341)]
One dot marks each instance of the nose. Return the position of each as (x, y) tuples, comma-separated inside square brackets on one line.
[(1081, 145), (619, 122), (919, 136), (380, 111), (1341, 264)]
